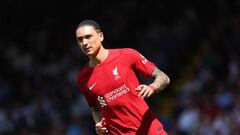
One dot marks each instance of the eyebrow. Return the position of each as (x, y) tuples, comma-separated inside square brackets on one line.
[(85, 36)]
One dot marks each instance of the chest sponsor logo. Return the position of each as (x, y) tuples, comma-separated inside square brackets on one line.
[(91, 87), (112, 95), (116, 93), (115, 73)]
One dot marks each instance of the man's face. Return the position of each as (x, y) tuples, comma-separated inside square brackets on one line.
[(89, 40)]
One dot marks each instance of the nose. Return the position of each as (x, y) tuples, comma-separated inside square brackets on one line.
[(84, 42)]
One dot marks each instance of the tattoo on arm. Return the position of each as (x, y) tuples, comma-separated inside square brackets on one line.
[(161, 80)]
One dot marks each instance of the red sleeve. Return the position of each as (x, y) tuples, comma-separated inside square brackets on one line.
[(88, 96), (90, 99), (140, 63)]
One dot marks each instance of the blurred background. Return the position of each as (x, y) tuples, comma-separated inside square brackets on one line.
[(196, 42)]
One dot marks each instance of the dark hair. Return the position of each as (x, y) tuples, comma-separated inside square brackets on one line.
[(90, 23)]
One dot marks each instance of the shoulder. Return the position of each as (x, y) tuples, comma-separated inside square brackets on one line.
[(125, 51), (125, 54), (82, 75)]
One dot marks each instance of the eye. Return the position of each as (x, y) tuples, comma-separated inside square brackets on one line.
[(88, 36), (79, 39)]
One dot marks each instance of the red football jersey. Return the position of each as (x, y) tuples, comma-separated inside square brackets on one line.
[(111, 86)]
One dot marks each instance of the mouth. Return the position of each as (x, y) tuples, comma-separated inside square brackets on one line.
[(87, 49)]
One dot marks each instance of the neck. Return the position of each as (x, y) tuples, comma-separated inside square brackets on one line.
[(99, 58)]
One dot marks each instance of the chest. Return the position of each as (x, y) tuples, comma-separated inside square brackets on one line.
[(108, 77), (112, 83)]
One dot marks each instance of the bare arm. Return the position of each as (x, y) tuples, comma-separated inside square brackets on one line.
[(100, 125), (161, 80), (97, 115)]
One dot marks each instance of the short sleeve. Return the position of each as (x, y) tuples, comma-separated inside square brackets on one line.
[(90, 99), (140, 63), (88, 96)]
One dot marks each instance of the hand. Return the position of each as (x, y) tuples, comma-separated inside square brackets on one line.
[(145, 91), (100, 127)]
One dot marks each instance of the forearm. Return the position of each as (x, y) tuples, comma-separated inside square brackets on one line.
[(97, 115), (161, 80), (100, 123)]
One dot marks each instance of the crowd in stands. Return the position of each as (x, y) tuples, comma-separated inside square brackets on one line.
[(197, 43)]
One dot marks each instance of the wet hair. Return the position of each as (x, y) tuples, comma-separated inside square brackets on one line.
[(90, 23)]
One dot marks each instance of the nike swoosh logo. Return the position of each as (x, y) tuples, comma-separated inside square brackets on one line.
[(91, 87)]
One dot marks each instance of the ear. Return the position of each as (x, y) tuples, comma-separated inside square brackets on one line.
[(101, 36)]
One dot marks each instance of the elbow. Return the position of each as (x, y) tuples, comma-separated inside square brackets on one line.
[(167, 80)]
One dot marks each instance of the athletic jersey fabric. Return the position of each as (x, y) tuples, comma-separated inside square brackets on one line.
[(111, 86)]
